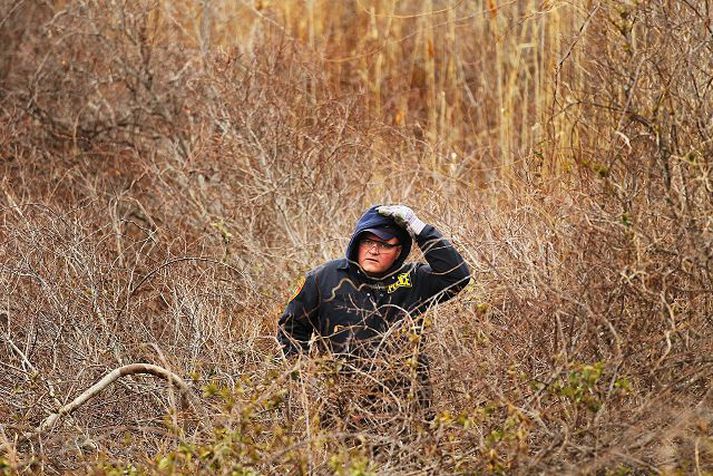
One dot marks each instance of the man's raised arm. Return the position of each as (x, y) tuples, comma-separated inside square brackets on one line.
[(447, 272)]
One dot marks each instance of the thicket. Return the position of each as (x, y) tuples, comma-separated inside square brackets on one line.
[(171, 169)]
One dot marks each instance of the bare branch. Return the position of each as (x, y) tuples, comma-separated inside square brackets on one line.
[(111, 377)]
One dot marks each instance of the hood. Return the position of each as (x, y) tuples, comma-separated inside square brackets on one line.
[(372, 219)]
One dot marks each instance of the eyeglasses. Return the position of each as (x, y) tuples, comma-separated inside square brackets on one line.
[(380, 245)]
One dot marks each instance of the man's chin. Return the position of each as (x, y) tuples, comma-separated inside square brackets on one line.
[(373, 270)]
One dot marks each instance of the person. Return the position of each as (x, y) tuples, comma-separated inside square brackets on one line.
[(347, 306)]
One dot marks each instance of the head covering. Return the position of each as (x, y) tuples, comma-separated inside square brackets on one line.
[(385, 232), (383, 227)]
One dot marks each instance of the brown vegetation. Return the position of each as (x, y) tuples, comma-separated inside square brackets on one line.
[(170, 169)]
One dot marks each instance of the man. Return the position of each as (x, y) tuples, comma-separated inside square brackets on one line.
[(347, 306)]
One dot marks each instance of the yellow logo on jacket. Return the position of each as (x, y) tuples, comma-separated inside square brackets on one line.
[(403, 280)]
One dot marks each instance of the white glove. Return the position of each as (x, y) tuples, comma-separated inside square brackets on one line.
[(404, 217)]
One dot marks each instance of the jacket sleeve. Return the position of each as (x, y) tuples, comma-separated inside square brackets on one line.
[(446, 273), (298, 322)]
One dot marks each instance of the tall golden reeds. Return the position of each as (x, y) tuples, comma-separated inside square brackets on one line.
[(473, 78)]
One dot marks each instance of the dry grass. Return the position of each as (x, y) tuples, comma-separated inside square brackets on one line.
[(170, 169)]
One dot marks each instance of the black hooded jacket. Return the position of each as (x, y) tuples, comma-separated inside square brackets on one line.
[(346, 310)]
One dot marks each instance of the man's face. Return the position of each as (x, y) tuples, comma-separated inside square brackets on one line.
[(376, 255)]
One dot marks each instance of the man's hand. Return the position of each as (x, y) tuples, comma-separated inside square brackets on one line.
[(404, 217)]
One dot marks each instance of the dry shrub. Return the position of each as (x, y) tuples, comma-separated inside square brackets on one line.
[(166, 181)]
